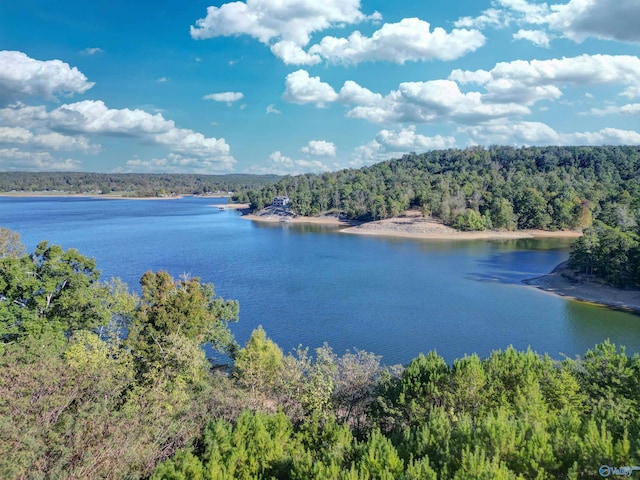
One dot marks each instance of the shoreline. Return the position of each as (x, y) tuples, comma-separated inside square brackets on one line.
[(565, 283), (411, 224), (97, 196), (273, 218), (108, 196)]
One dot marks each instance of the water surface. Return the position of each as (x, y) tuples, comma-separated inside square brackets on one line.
[(309, 284)]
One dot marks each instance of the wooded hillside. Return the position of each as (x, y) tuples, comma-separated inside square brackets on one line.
[(135, 184), (476, 188)]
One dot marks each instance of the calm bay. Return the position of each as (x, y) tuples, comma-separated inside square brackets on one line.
[(309, 284)]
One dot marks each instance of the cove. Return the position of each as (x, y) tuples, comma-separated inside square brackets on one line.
[(309, 284)]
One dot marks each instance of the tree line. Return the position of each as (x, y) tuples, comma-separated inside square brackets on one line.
[(133, 184), (476, 188), (99, 382)]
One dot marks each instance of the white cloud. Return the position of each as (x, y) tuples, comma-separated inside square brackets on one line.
[(272, 109), (576, 19), (293, 54), (190, 143), (489, 18), (435, 101), (50, 140), (533, 13), (91, 51), (283, 165), (395, 143), (528, 82), (352, 93), (177, 163), (606, 19), (407, 140), (224, 97), (162, 80), (301, 88), (22, 76), (507, 90), (512, 133), (93, 116), (18, 160), (267, 20), (411, 39), (629, 109), (537, 37), (320, 148), (537, 133), (606, 136)]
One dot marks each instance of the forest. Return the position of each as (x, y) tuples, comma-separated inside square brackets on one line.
[(476, 188), (100, 382), (130, 184)]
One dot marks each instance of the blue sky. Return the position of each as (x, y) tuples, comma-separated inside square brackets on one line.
[(294, 86)]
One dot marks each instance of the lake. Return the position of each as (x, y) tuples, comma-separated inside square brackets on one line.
[(309, 284)]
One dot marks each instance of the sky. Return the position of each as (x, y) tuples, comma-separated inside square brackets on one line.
[(297, 86)]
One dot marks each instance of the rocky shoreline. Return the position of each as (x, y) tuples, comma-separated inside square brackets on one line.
[(565, 282)]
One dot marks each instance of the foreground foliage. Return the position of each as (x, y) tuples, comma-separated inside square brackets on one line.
[(96, 382), (514, 415)]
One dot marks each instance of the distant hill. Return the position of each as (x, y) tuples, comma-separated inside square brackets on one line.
[(134, 184), (476, 188)]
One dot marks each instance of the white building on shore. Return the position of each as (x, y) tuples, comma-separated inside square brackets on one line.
[(280, 201)]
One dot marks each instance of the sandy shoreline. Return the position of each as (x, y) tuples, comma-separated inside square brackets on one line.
[(566, 283), (333, 221), (410, 225)]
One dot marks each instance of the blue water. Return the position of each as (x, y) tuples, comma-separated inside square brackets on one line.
[(307, 285)]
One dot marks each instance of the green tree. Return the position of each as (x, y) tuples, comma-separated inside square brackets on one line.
[(185, 307), (259, 364), (55, 293)]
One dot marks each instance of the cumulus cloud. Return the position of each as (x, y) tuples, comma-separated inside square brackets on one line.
[(288, 22), (93, 116), (228, 97), (49, 140), (434, 101), (14, 159), (629, 109), (301, 88), (606, 19), (537, 133), (528, 82), (283, 165), (537, 37), (22, 77), (177, 163), (34, 127), (188, 142), (320, 148), (575, 19), (395, 143), (272, 109), (505, 91), (491, 17), (411, 39), (293, 54)]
